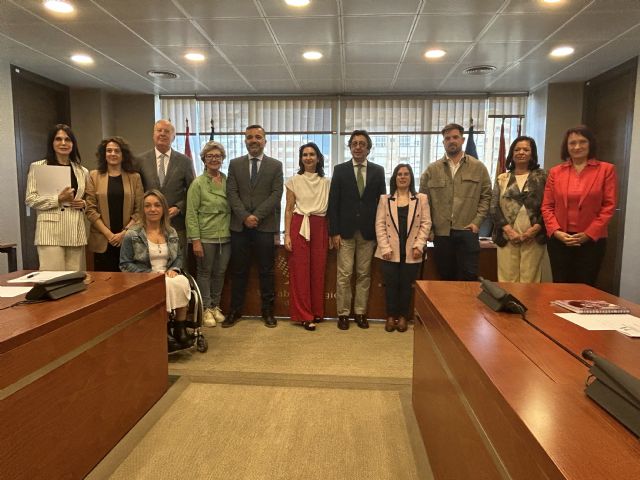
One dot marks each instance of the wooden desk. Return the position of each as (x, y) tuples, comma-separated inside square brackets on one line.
[(12, 259), (376, 308), (76, 374), (494, 398)]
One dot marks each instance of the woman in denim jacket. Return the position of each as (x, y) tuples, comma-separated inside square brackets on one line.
[(153, 246)]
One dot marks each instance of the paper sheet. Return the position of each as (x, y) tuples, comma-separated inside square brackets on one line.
[(8, 292), (621, 322), (51, 179), (39, 277)]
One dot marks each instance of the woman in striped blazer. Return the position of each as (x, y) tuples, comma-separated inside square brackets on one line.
[(61, 232)]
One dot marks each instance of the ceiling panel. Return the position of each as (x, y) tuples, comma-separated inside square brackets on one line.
[(167, 32), (305, 30), (373, 52), (368, 45), (382, 28), (250, 31), (371, 7), (437, 29)]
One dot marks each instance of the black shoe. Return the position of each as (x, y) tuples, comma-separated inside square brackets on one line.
[(343, 322), (172, 344), (361, 320), (269, 320), (180, 334), (231, 319), (309, 326), (318, 319)]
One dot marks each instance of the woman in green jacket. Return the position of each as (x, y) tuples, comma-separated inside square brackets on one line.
[(208, 217)]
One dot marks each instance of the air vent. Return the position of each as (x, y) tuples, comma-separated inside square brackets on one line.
[(162, 74), (479, 70)]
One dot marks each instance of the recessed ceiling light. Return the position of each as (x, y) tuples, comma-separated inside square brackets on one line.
[(562, 51), (194, 57), (59, 6), (551, 1), (311, 55), (297, 3), (82, 59), (166, 74), (435, 53)]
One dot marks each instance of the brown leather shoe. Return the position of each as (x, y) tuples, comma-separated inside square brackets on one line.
[(402, 324), (390, 324), (343, 322), (361, 320)]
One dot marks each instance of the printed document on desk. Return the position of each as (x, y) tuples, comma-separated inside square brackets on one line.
[(621, 322), (39, 277)]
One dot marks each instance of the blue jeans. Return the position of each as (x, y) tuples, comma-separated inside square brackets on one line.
[(211, 269)]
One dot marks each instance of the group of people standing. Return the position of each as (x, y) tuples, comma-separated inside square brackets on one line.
[(142, 212)]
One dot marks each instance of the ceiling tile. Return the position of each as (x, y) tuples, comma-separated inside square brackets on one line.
[(316, 70), (127, 10), (167, 32), (425, 70), (454, 50), (377, 29), (416, 85), (253, 55), (107, 34), (264, 72), (305, 30), (491, 53), (468, 7), (218, 8), (275, 86), (293, 53), (250, 31), (373, 7), (321, 85), (524, 27), (277, 8), (368, 85), (437, 29), (598, 26), (538, 6), (370, 70), (373, 52)]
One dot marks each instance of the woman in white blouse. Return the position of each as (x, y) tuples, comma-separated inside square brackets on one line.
[(152, 245), (307, 237)]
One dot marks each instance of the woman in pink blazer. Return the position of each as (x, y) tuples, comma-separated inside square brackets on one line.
[(580, 198), (403, 221)]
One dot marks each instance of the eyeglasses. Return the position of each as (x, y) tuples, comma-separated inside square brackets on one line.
[(359, 144), (213, 156)]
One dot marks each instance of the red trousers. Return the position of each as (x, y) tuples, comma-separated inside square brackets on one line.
[(307, 263)]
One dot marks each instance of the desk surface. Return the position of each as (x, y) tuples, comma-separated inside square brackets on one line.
[(506, 369)]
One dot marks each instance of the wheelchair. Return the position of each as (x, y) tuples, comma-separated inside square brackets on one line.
[(193, 323)]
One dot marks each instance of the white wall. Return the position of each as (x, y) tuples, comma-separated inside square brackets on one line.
[(630, 274), (536, 121), (9, 213)]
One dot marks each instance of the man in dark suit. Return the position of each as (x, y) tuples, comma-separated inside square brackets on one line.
[(356, 187), (254, 191), (170, 172)]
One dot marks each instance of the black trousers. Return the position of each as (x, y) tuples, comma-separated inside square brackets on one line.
[(576, 264), (457, 255), (109, 261), (246, 246), (398, 277)]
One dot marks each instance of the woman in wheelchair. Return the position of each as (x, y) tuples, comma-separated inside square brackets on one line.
[(152, 245)]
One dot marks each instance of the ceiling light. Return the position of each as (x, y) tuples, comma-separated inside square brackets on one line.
[(166, 74), (82, 59), (435, 53), (479, 70), (562, 51), (194, 57), (311, 55), (59, 6), (551, 1), (297, 3)]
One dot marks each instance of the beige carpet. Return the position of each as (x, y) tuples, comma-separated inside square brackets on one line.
[(281, 403), (249, 346)]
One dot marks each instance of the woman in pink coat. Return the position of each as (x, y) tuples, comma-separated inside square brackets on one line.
[(580, 197), (403, 221)]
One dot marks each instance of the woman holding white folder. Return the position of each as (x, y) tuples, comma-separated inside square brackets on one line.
[(61, 233)]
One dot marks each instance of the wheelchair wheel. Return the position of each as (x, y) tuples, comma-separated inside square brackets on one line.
[(201, 344)]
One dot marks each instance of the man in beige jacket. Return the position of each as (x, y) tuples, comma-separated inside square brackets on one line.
[(459, 191)]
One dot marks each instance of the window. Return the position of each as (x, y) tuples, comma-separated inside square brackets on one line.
[(403, 130)]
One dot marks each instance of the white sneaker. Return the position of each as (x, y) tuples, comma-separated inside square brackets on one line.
[(209, 318), (218, 315)]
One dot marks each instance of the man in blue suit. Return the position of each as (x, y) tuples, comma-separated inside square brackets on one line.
[(356, 187), (254, 191)]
